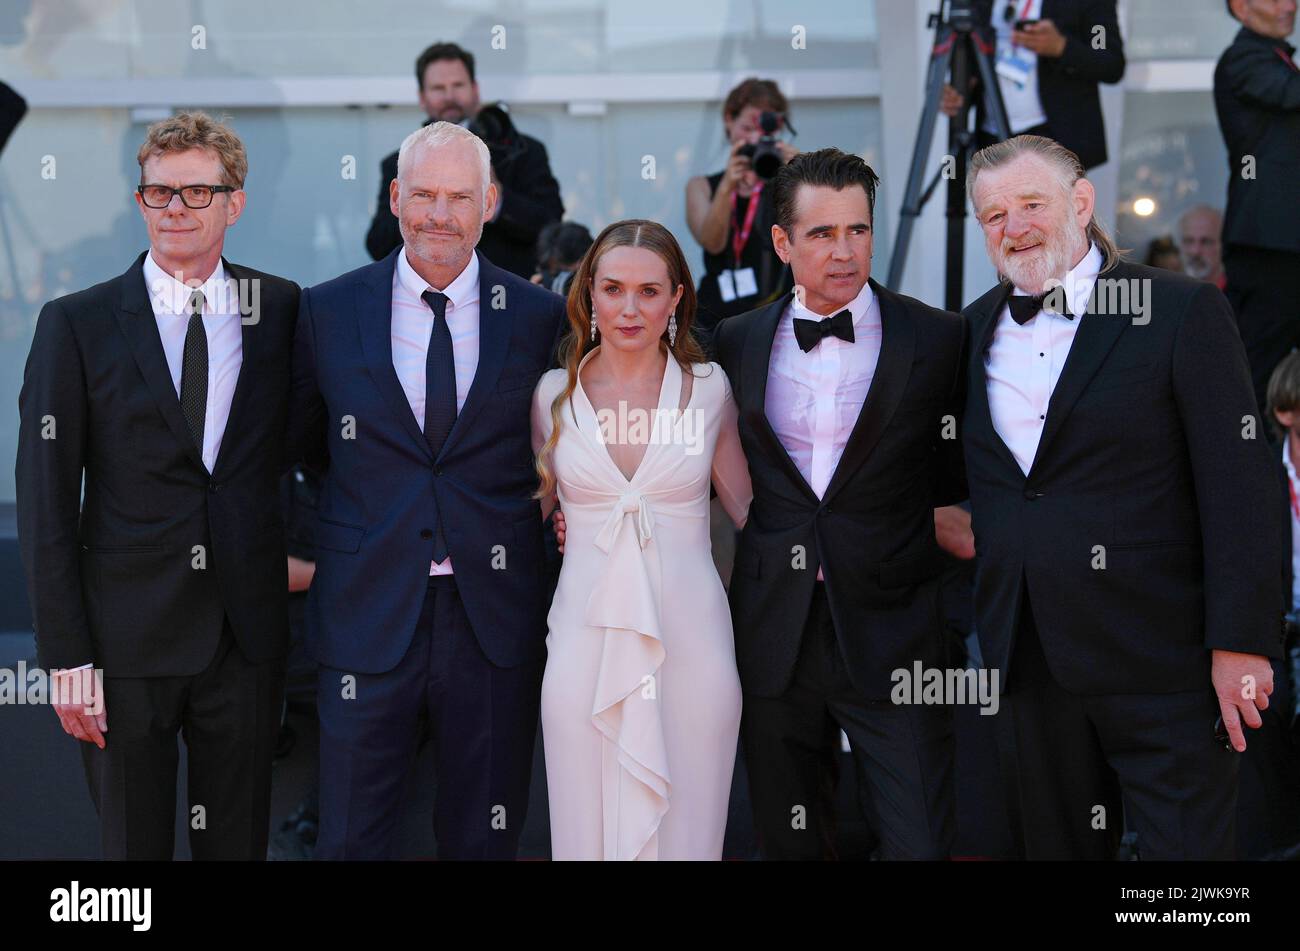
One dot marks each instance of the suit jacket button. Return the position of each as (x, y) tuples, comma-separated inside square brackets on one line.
[(426, 533), (1030, 494), (214, 486)]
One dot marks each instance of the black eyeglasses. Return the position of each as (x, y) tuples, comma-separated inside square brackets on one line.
[(194, 196)]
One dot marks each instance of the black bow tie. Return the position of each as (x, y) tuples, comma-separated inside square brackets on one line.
[(1026, 308), (809, 333)]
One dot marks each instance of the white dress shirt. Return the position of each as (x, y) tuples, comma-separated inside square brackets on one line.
[(1295, 522), (170, 300), (412, 324), (1024, 105), (814, 398), (1024, 362)]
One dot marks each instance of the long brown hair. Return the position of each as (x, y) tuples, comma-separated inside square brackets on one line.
[(633, 233)]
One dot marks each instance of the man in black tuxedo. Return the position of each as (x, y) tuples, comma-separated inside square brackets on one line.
[(1051, 55), (1257, 98), (843, 389), (166, 389), (1124, 508), (529, 194)]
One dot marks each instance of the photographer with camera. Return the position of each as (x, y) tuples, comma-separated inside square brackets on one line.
[(529, 195), (730, 213)]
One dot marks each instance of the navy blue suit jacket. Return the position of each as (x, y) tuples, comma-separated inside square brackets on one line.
[(383, 490)]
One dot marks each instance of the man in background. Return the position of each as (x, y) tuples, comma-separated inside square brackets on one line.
[(521, 171), (1051, 56), (1200, 246), (1257, 98)]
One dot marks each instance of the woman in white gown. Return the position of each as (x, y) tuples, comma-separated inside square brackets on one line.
[(640, 699)]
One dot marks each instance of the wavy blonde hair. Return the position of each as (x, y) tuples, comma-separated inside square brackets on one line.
[(633, 233)]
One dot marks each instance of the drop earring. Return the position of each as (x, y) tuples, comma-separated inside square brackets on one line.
[(593, 321), (672, 329)]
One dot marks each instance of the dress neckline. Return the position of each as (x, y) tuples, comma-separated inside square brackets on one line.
[(672, 376)]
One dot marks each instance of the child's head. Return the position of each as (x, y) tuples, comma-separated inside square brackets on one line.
[(1284, 395)]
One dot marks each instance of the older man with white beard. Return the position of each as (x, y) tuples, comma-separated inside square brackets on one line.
[(1130, 568), (1200, 245)]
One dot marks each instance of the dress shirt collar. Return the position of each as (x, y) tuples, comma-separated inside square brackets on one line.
[(169, 296), (859, 307), (1078, 282), (461, 291)]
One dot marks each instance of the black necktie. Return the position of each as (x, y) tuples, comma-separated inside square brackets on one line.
[(1024, 308), (194, 372), (439, 392), (809, 333)]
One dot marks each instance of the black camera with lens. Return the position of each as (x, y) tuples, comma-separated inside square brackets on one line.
[(492, 124), (764, 157)]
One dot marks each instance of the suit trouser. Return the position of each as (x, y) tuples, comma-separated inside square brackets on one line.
[(1078, 768), (483, 723), (903, 756), (229, 716), (1264, 291)]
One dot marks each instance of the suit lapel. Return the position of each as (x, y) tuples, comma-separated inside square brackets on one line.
[(893, 367), (374, 310), (755, 361), (494, 330), (977, 394), (249, 352), (136, 319), (1093, 340)]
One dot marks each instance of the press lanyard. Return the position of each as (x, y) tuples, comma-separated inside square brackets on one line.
[(740, 236)]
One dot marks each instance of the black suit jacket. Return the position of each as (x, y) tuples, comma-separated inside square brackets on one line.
[(531, 200), (1067, 85), (872, 533), (1257, 98), (113, 579), (1151, 458)]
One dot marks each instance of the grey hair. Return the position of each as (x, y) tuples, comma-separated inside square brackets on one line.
[(1199, 209), (1062, 161), (437, 134)]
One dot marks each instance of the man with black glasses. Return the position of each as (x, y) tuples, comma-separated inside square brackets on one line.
[(159, 595)]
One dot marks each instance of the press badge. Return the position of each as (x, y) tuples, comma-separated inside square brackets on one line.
[(746, 283), (1016, 64), (738, 283)]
